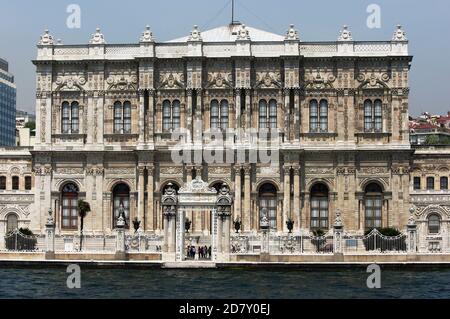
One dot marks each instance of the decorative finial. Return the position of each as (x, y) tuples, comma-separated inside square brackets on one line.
[(338, 218), (147, 35), (399, 34), (411, 220), (46, 38), (292, 33), (195, 34), (97, 37), (243, 33), (345, 34), (50, 220)]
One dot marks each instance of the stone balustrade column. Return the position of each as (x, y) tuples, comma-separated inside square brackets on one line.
[(49, 237), (246, 224)]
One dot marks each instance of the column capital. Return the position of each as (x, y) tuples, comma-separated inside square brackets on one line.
[(287, 169), (237, 169), (247, 170), (141, 170), (150, 169), (296, 169)]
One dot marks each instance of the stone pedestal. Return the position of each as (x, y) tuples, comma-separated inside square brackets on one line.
[(120, 240), (338, 230), (50, 237), (412, 238)]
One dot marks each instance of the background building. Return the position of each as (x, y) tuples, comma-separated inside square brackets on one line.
[(25, 129), (7, 106)]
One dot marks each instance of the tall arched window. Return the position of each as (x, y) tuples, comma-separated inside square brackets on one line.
[(444, 182), (313, 115), (12, 222), (262, 114), (373, 201), (2, 182), (434, 224), (430, 183), (268, 204), (166, 115), (176, 112), (373, 116), (15, 182), (70, 117), (28, 185), (69, 206), (368, 124), (214, 114), (268, 114), (319, 206), (224, 114), (122, 117), (323, 115), (272, 113), (121, 203)]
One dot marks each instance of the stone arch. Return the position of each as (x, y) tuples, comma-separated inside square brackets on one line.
[(272, 181), (219, 181), (369, 181), (60, 184), (15, 170), (113, 183), (12, 210), (319, 180), (434, 209), (164, 184)]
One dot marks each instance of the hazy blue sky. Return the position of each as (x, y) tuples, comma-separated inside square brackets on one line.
[(427, 24)]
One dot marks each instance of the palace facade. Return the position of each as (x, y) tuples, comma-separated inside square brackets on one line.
[(338, 110)]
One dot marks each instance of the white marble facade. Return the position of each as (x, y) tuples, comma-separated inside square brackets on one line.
[(105, 113)]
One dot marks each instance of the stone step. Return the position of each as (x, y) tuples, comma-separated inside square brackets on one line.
[(189, 264)]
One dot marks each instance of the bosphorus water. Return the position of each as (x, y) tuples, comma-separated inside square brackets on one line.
[(274, 283)]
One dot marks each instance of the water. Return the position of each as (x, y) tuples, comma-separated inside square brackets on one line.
[(226, 283)]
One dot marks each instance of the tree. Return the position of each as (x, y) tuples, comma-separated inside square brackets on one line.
[(432, 140), (83, 209), (31, 125)]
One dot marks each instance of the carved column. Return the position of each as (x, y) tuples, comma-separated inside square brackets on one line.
[(150, 218), (237, 193), (189, 109), (296, 116), (141, 117), (141, 193), (287, 197), (247, 194), (151, 117), (287, 111), (296, 216), (248, 109), (237, 94)]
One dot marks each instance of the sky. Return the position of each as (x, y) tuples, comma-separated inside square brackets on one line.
[(427, 24)]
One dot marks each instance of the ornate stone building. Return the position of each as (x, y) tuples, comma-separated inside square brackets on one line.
[(339, 111)]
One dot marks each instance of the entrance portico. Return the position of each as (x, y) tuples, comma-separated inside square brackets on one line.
[(196, 197)]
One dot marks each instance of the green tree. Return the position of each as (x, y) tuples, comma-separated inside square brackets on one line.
[(83, 209), (31, 125), (432, 140)]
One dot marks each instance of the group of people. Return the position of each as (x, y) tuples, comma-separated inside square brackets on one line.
[(204, 252)]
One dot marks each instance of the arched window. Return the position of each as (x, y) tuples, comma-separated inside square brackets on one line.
[(373, 116), (2, 182), (69, 207), (273, 113), (166, 115), (176, 111), (262, 114), (373, 203), (15, 182), (368, 123), (121, 204), (444, 183), (127, 117), (323, 115), (224, 114), (70, 117), (28, 185), (268, 204), (313, 115), (12, 222), (319, 206), (430, 183), (122, 117), (416, 181), (434, 224), (214, 114)]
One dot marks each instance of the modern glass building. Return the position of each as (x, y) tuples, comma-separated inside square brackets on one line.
[(7, 106)]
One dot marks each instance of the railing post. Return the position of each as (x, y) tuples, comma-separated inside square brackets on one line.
[(49, 236), (412, 233), (120, 239), (338, 229)]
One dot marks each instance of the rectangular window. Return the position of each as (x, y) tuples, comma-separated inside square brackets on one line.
[(373, 209), (430, 183), (69, 213), (2, 182), (15, 182), (444, 183), (28, 182), (417, 183)]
